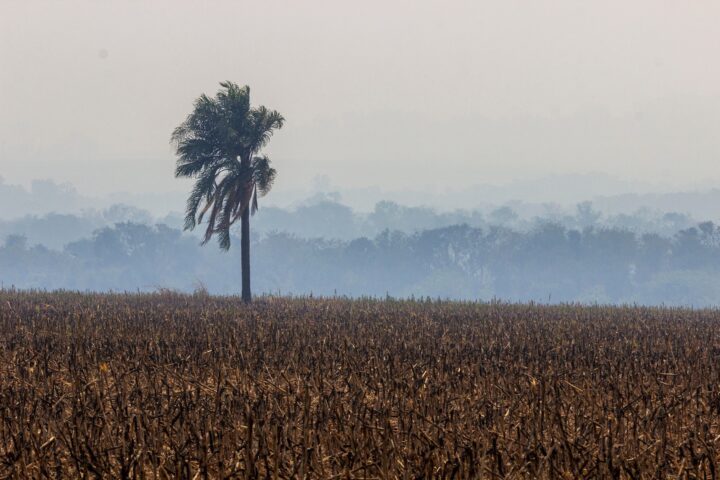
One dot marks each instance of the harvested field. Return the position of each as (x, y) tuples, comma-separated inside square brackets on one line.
[(173, 386)]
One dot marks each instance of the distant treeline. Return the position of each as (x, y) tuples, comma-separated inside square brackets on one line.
[(325, 217), (549, 262)]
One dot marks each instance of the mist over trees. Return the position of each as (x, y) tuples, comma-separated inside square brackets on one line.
[(588, 252), (328, 218), (326, 248), (543, 196), (324, 216)]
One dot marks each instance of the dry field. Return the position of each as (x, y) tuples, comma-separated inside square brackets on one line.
[(171, 386)]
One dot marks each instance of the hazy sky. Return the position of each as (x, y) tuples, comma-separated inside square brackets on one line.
[(397, 94)]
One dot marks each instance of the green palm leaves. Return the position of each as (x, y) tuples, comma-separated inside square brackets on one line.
[(218, 145)]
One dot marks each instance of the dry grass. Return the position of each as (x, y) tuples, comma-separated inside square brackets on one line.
[(171, 386)]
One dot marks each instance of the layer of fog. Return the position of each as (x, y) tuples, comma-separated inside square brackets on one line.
[(548, 263), (612, 249), (542, 195), (407, 95)]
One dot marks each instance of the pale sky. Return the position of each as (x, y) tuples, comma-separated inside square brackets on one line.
[(394, 94)]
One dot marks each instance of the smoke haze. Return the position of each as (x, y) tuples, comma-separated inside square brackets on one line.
[(398, 95)]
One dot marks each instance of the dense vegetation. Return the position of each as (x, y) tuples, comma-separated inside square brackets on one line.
[(547, 263), (171, 386)]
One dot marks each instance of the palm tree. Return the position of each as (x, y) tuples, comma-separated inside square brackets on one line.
[(219, 146)]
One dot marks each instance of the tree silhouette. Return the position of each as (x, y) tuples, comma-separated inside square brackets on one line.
[(218, 145)]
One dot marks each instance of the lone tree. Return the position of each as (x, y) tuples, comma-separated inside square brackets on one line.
[(219, 146)]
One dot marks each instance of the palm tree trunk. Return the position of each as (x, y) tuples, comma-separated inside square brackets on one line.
[(245, 255)]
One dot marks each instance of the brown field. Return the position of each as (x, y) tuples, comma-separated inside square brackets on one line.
[(171, 386)]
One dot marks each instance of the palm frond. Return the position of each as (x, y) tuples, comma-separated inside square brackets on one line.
[(224, 238), (264, 122), (194, 155), (211, 228), (224, 221), (204, 188), (263, 174)]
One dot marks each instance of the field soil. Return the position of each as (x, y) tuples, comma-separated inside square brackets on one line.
[(175, 386)]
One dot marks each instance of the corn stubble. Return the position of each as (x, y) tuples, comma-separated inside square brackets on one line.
[(171, 386)]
